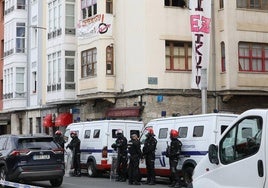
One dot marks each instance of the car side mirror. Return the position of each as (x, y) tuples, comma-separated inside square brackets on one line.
[(213, 154)]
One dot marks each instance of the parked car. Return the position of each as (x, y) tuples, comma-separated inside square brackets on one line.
[(31, 158)]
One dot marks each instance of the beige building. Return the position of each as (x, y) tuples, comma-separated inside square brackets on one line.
[(151, 65), (132, 59)]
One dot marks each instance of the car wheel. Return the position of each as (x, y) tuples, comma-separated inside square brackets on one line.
[(56, 182), (91, 169), (3, 173)]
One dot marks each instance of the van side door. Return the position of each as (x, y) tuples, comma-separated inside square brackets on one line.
[(242, 155)]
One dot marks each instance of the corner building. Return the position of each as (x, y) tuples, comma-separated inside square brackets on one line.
[(142, 64), (128, 59)]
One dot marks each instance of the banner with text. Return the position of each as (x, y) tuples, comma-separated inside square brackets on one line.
[(100, 24), (200, 21)]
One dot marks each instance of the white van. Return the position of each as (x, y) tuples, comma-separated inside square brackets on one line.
[(239, 158), (196, 132), (96, 140)]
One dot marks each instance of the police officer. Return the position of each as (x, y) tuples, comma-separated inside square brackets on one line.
[(149, 155), (120, 146), (173, 152), (134, 149), (74, 145), (59, 138)]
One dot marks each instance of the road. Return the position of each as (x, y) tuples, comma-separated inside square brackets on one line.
[(99, 182)]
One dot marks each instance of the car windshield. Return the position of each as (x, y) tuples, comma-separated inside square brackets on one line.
[(36, 143)]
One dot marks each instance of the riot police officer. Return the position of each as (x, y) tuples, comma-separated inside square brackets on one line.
[(74, 146), (120, 146), (173, 152), (149, 155), (59, 138), (134, 149)]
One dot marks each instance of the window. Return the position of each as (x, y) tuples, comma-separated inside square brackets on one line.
[(175, 3), (242, 141), (163, 132), (109, 6), (223, 127), (34, 80), (183, 132), (96, 133), (253, 4), (89, 63), (109, 60), (89, 8), (2, 49), (114, 131), (49, 74), (54, 71), (69, 69), (223, 64), (20, 38), (20, 73), (253, 57), (8, 83), (178, 56), (55, 17), (87, 134), (221, 4), (198, 131), (20, 4), (70, 16)]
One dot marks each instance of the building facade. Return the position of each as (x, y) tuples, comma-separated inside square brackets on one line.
[(83, 60)]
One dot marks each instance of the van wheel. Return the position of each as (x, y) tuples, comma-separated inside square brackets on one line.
[(188, 174), (91, 169)]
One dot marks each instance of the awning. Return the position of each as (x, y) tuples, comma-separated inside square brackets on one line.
[(47, 121), (124, 112), (64, 119)]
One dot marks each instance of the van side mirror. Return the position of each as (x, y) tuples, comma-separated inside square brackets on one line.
[(213, 154)]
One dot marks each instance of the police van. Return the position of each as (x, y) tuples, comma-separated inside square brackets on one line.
[(196, 132), (96, 140)]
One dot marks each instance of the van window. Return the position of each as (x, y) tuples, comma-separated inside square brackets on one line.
[(183, 132), (223, 127), (96, 133), (242, 141), (163, 132), (87, 134), (198, 131), (114, 131)]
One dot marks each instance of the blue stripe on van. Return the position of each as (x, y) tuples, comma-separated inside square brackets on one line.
[(189, 153), (95, 151)]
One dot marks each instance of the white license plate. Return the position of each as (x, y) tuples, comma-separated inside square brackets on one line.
[(41, 157)]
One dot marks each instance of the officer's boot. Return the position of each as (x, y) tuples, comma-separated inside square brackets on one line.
[(177, 185), (173, 183)]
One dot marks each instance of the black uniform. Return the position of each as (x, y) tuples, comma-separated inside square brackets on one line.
[(74, 145), (149, 155), (173, 152), (59, 140), (134, 149), (120, 146)]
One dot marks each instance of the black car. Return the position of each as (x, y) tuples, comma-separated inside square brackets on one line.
[(31, 158)]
